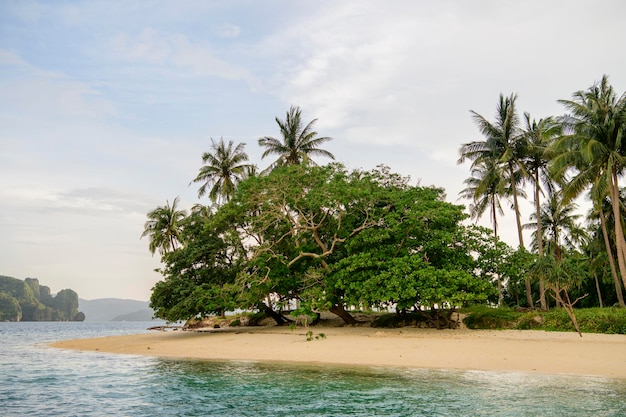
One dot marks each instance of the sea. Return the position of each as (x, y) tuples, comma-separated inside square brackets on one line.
[(38, 380)]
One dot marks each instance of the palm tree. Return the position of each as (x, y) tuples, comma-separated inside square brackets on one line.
[(538, 137), (222, 169), (298, 142), (561, 229), (485, 187), (596, 148), (164, 228), (504, 145)]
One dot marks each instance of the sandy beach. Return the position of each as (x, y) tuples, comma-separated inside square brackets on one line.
[(496, 350)]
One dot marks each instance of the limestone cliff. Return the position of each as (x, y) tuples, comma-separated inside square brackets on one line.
[(29, 301)]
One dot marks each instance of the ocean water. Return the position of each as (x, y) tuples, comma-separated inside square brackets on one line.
[(37, 380)]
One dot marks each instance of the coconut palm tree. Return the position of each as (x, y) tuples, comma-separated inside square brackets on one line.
[(539, 135), (561, 229), (504, 145), (485, 187), (222, 169), (164, 228), (596, 148), (298, 143)]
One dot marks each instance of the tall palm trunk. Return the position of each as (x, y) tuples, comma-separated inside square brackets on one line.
[(620, 243), (495, 241), (609, 252), (518, 219), (595, 277), (542, 283)]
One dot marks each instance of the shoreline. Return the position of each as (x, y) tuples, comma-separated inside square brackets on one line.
[(532, 351)]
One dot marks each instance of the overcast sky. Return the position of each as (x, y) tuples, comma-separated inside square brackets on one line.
[(107, 106)]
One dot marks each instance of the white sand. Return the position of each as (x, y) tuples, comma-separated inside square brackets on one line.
[(501, 350)]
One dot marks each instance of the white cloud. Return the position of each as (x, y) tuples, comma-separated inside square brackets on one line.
[(156, 48), (229, 31)]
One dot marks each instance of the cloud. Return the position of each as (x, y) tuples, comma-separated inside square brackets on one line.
[(29, 93), (229, 31), (409, 72), (156, 48)]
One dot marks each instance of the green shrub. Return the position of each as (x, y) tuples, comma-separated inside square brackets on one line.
[(484, 317), (530, 321), (256, 318), (611, 320)]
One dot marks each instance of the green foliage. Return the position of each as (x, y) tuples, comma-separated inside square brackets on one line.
[(591, 320), (10, 309), (483, 317), (310, 336), (327, 237), (199, 277)]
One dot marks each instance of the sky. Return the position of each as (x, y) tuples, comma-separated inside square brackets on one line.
[(106, 106)]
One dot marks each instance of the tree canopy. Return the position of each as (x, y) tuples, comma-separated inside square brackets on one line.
[(328, 238)]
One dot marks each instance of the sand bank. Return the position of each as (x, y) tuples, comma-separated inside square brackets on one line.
[(510, 350)]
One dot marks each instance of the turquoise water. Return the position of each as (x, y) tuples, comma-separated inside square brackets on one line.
[(37, 380)]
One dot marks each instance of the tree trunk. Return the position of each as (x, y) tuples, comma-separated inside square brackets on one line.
[(595, 277), (609, 252), (341, 312), (620, 244), (568, 306), (542, 284), (495, 242), (518, 219), (278, 318)]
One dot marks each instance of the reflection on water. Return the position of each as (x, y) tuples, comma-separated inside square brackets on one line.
[(42, 381)]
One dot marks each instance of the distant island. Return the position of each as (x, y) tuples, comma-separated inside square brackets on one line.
[(115, 309), (27, 300)]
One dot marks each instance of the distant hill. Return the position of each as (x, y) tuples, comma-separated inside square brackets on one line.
[(27, 300), (115, 309)]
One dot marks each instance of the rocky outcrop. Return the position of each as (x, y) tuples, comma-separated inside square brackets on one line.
[(29, 301)]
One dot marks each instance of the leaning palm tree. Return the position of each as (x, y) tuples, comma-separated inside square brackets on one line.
[(299, 142), (504, 145), (601, 210), (223, 168), (164, 228), (539, 135), (596, 148)]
